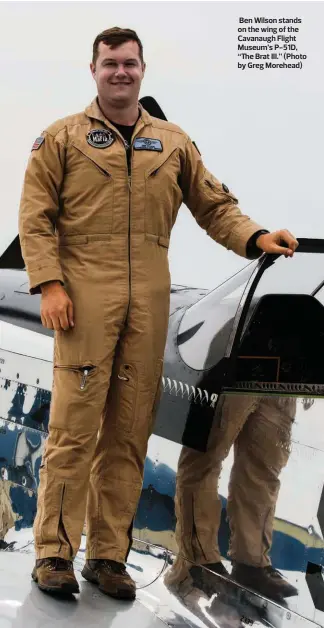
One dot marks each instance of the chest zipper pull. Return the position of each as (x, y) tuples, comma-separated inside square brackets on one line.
[(84, 379)]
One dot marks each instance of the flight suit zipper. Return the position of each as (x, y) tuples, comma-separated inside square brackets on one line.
[(129, 179), (85, 370), (84, 378)]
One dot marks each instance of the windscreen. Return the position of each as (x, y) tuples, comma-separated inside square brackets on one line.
[(301, 274), (206, 327)]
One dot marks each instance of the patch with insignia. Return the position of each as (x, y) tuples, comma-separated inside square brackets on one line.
[(38, 142), (146, 143), (100, 138)]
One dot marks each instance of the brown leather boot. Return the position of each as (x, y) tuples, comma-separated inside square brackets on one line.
[(264, 580), (55, 575), (111, 577), (206, 581)]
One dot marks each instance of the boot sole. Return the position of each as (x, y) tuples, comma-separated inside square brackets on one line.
[(119, 594), (64, 589)]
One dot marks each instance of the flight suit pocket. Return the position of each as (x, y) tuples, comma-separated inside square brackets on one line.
[(133, 398), (88, 189), (163, 196), (122, 398), (77, 399), (214, 187), (83, 373)]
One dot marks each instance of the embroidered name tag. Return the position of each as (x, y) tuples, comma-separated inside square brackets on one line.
[(146, 143)]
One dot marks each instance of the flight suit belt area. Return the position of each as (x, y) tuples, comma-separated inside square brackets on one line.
[(106, 237)]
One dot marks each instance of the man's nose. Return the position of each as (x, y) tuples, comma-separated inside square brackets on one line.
[(120, 70)]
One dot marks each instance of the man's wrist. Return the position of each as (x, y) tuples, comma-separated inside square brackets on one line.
[(252, 249), (258, 234), (49, 285)]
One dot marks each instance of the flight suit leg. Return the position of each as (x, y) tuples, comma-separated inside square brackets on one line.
[(117, 471), (65, 469), (83, 358), (261, 452), (118, 466), (197, 503)]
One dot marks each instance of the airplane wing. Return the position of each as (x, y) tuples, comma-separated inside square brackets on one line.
[(200, 319)]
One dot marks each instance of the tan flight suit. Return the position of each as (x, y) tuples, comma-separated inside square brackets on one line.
[(260, 429), (85, 222)]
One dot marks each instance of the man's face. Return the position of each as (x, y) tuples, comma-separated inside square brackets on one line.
[(118, 73)]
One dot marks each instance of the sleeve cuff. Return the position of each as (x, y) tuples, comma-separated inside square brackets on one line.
[(252, 250), (42, 275)]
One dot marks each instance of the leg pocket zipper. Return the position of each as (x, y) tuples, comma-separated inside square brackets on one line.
[(85, 371)]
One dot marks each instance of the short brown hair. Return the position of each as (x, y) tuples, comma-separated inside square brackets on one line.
[(114, 37)]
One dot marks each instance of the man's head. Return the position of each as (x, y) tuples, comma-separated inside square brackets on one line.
[(118, 66)]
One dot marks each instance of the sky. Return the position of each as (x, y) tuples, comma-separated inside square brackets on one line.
[(260, 132)]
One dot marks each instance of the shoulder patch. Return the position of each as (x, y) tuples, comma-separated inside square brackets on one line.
[(38, 142)]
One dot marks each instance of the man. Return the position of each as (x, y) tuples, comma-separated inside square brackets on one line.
[(260, 429), (101, 194)]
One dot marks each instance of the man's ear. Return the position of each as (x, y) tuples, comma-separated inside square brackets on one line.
[(93, 69)]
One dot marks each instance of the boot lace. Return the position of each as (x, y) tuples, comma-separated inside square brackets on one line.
[(58, 564), (112, 565), (274, 573)]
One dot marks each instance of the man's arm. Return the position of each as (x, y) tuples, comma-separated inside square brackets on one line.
[(216, 210), (38, 211), (39, 207)]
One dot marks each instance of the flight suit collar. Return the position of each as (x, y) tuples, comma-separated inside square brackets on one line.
[(93, 111)]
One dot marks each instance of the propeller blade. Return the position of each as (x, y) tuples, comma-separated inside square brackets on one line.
[(152, 107)]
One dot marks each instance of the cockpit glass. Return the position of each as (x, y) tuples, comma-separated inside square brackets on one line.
[(206, 326)]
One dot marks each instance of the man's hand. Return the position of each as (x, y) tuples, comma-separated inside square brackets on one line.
[(272, 243), (56, 307)]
